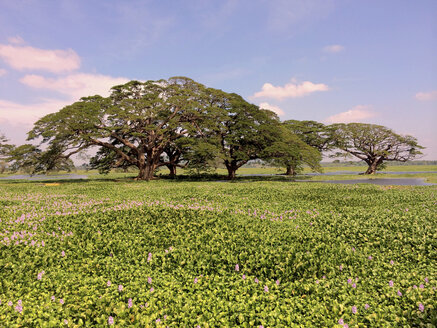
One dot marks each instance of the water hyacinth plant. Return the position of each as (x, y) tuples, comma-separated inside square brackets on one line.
[(187, 254)]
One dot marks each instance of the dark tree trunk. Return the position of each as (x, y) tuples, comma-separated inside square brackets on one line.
[(373, 165), (232, 168), (172, 169), (290, 170), (147, 169)]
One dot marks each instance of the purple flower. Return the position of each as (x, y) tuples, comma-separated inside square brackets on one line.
[(390, 283), (61, 301), (244, 277), (341, 267), (110, 320), (195, 280), (266, 288), (426, 280), (421, 307), (353, 249), (108, 283), (399, 293), (10, 303), (414, 286), (256, 280), (354, 309), (349, 281), (370, 257), (65, 321), (152, 290), (261, 326), (19, 308), (341, 321), (20, 302), (345, 325), (39, 277), (277, 282), (366, 306), (324, 277), (237, 267), (62, 253), (149, 280), (120, 288), (421, 286), (392, 262), (129, 303), (149, 257), (158, 320), (354, 285), (52, 297)]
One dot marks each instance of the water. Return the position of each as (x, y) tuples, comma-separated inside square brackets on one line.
[(45, 177), (383, 172), (383, 182)]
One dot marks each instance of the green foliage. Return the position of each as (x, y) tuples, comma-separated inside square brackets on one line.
[(373, 144), (291, 152), (311, 238)]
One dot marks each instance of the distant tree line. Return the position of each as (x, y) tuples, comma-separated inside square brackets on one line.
[(178, 123)]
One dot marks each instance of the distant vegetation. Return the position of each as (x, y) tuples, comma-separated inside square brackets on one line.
[(181, 123)]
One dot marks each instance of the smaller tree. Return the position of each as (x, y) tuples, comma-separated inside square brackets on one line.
[(242, 130), (373, 144), (290, 151), (5, 148)]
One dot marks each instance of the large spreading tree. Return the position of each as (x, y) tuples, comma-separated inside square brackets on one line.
[(306, 140), (291, 152), (374, 144), (240, 132), (132, 127)]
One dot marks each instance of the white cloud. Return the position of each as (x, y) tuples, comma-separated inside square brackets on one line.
[(356, 114), (334, 48), (75, 86), (424, 96), (16, 39), (2, 72), (26, 114), (273, 108), (290, 90), (29, 58)]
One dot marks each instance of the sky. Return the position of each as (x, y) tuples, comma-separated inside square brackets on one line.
[(331, 61)]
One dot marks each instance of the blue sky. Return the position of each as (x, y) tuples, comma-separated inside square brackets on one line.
[(323, 60)]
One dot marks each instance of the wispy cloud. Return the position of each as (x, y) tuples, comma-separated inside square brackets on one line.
[(16, 39), (273, 108), (333, 49), (290, 90), (75, 85), (26, 114), (3, 72), (424, 96), (30, 58), (282, 14), (356, 114)]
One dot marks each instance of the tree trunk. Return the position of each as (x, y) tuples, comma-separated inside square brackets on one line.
[(373, 166), (172, 169), (232, 169), (231, 173), (147, 170), (290, 170)]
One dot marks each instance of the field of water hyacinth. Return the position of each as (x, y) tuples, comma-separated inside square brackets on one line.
[(209, 254)]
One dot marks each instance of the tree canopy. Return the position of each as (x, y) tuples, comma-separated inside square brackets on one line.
[(291, 152), (131, 127), (374, 144)]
